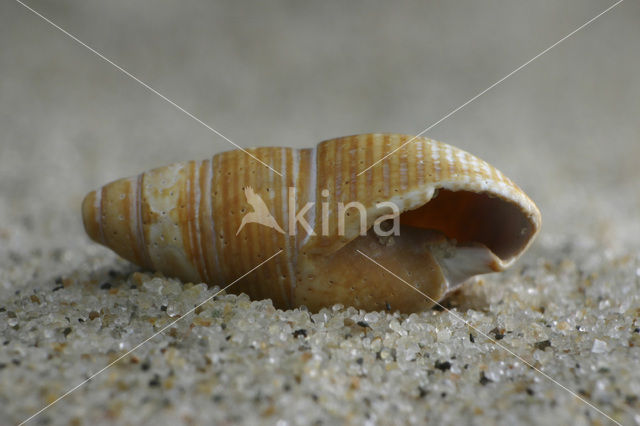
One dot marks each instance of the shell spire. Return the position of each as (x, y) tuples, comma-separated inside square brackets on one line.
[(432, 213)]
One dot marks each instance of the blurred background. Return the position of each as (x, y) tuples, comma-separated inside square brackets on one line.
[(565, 128)]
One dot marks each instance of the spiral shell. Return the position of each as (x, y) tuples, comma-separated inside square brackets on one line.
[(459, 217)]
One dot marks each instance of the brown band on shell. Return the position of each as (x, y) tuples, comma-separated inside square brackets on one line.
[(107, 231), (189, 217), (212, 238), (183, 214), (279, 214), (130, 219), (386, 167), (203, 218), (139, 224)]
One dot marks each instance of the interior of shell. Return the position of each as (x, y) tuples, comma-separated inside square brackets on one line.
[(471, 218)]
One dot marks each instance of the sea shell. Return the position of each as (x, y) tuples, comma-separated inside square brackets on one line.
[(213, 220)]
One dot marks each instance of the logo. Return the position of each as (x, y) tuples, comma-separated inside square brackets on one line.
[(261, 215)]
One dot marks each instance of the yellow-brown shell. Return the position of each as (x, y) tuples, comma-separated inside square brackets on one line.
[(182, 219)]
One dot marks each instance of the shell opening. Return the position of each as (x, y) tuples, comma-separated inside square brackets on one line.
[(470, 217)]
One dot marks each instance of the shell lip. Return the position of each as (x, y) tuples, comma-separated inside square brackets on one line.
[(506, 227)]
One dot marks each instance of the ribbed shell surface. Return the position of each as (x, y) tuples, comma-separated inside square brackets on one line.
[(182, 219), (408, 178)]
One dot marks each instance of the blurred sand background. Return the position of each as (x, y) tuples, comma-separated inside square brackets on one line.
[(291, 73)]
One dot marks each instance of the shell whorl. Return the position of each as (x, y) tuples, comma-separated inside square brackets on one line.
[(182, 219), (410, 178)]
